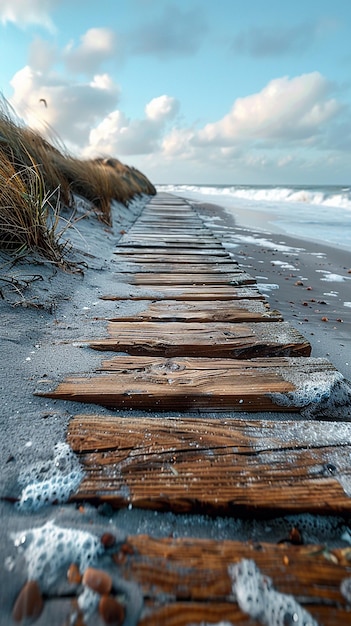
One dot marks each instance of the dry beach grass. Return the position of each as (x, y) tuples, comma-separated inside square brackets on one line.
[(38, 180)]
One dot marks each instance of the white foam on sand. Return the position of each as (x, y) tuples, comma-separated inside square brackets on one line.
[(329, 277), (51, 481), (265, 243), (283, 265)]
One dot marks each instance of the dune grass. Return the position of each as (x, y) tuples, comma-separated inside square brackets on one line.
[(38, 180)]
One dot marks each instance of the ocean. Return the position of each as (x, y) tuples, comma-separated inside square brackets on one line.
[(314, 213)]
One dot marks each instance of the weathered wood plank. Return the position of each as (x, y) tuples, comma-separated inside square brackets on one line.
[(217, 466), (172, 278), (178, 268), (174, 247), (215, 292), (175, 311), (193, 574), (218, 339), (174, 267), (280, 384), (165, 257), (168, 236)]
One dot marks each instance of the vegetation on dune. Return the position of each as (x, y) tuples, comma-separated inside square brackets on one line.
[(38, 180)]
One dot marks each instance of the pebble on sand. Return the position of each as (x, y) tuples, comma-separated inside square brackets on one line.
[(111, 611), (97, 580), (29, 603)]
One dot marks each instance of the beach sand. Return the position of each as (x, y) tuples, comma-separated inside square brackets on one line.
[(308, 282), (43, 324)]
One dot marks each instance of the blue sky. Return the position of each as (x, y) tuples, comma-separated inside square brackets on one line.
[(202, 91)]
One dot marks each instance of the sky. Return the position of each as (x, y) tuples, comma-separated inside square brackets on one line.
[(187, 91)]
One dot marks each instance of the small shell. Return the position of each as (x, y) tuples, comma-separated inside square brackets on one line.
[(111, 611), (73, 574), (29, 603), (98, 580), (108, 540)]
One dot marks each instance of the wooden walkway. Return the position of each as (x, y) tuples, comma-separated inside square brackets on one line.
[(277, 438)]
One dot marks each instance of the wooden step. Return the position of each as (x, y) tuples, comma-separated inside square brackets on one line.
[(167, 257), (187, 581), (202, 311), (172, 278), (306, 385), (167, 292), (213, 340), (216, 466), (178, 268)]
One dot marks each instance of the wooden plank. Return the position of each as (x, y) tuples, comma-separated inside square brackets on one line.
[(217, 466), (178, 268), (172, 278), (186, 581), (183, 384), (215, 292), (193, 575), (176, 258), (217, 339), (202, 311), (173, 246)]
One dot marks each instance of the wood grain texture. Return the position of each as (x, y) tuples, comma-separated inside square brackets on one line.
[(193, 575), (172, 278), (166, 248), (220, 466), (215, 340), (202, 311), (167, 292), (179, 259), (188, 384), (178, 268)]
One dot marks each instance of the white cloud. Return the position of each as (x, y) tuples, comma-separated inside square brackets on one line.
[(23, 12), (287, 109), (162, 108), (97, 45), (118, 135), (70, 108)]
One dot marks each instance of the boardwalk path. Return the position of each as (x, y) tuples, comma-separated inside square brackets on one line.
[(276, 441)]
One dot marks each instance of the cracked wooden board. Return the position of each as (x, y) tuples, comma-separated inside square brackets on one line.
[(167, 248), (175, 311), (224, 259), (183, 384), (206, 339), (175, 267), (193, 574), (172, 278), (187, 293), (217, 466)]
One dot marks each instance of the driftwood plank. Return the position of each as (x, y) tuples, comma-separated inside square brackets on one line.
[(172, 278), (161, 258), (175, 311), (281, 384), (193, 574), (215, 292), (216, 340), (167, 248), (215, 466), (178, 268)]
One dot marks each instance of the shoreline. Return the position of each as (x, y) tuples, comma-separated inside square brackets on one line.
[(307, 282)]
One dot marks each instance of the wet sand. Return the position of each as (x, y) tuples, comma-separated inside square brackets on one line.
[(310, 283)]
